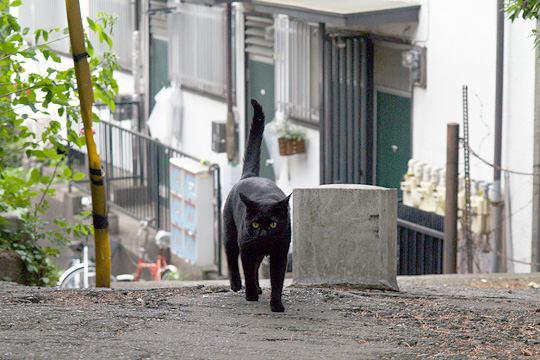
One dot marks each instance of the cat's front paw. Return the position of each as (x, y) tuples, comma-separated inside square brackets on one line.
[(277, 306), (236, 285), (252, 297)]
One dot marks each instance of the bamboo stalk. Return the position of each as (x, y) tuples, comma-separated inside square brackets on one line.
[(97, 184)]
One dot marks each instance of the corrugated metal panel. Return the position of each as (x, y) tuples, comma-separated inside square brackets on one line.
[(197, 47), (297, 68), (347, 102), (122, 36), (50, 14), (259, 37)]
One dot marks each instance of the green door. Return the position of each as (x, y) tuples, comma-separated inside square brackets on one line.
[(159, 68), (261, 88), (393, 138)]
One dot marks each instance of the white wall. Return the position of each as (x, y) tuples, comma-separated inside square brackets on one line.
[(199, 112), (518, 135), (460, 37), (304, 168)]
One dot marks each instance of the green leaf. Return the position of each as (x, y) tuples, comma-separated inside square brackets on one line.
[(79, 176), (67, 172), (92, 24)]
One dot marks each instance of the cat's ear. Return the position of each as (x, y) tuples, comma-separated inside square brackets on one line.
[(247, 201), (283, 203)]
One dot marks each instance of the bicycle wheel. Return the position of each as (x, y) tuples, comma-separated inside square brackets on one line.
[(73, 278)]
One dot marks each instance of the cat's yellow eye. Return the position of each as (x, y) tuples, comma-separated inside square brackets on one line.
[(255, 225), (273, 225)]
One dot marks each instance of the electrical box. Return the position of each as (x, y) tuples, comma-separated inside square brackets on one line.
[(192, 211), (218, 136)]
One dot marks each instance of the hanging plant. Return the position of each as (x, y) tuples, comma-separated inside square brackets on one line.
[(291, 139)]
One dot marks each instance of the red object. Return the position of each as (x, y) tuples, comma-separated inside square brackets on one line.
[(82, 131), (155, 268)]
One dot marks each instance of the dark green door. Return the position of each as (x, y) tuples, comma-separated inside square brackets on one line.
[(393, 138), (159, 68), (261, 88)]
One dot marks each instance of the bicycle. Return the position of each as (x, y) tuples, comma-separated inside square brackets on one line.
[(82, 273), (159, 269), (79, 275)]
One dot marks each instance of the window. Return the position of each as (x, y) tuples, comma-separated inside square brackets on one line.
[(197, 48), (50, 14), (297, 69)]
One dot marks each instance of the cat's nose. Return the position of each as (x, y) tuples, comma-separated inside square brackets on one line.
[(263, 232)]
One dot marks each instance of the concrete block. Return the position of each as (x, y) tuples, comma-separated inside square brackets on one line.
[(72, 203), (345, 234)]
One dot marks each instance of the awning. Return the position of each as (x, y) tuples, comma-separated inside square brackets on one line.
[(344, 12)]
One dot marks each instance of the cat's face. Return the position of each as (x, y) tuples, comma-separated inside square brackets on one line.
[(266, 220)]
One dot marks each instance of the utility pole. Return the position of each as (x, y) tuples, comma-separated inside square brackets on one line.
[(497, 156), (97, 183), (535, 241), (450, 216)]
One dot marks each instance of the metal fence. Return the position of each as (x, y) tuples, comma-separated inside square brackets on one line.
[(137, 174), (297, 67), (197, 47), (420, 242)]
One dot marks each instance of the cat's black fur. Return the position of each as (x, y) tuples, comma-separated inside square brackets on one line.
[(257, 223)]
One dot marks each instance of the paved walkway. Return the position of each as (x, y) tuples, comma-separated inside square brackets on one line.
[(206, 321)]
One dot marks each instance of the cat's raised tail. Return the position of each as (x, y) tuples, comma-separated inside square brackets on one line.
[(252, 155)]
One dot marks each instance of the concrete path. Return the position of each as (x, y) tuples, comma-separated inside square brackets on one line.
[(206, 321)]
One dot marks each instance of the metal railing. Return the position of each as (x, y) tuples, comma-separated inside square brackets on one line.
[(297, 68), (197, 47), (420, 242), (137, 175)]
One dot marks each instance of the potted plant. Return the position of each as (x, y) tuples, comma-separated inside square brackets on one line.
[(291, 138)]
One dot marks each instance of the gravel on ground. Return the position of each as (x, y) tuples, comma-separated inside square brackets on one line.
[(210, 322)]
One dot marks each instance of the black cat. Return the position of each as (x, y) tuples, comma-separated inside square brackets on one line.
[(257, 223)]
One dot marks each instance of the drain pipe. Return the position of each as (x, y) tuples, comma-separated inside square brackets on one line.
[(496, 195), (230, 127), (535, 241)]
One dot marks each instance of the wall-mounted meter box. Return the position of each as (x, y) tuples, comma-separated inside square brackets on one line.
[(218, 136), (192, 211)]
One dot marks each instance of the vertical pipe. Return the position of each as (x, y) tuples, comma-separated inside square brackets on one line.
[(357, 126), (364, 93), (535, 241), (230, 128), (342, 45), (350, 132), (322, 104), (327, 110), (450, 218), (497, 210), (334, 161)]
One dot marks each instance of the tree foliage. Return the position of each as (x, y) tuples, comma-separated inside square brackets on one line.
[(527, 10), (39, 117)]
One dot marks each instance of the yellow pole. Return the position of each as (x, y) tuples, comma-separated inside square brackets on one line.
[(97, 185)]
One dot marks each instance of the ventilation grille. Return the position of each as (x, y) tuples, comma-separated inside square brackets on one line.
[(260, 37), (158, 21)]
